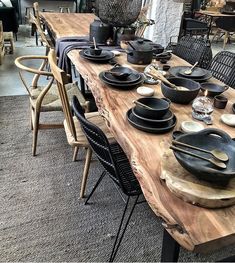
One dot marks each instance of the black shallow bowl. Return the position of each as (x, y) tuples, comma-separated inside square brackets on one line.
[(160, 108), (213, 89), (208, 139), (181, 96)]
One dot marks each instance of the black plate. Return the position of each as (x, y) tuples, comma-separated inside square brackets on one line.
[(147, 127), (108, 56), (165, 118), (174, 71), (164, 56), (197, 73), (134, 77), (122, 86), (208, 139), (87, 54)]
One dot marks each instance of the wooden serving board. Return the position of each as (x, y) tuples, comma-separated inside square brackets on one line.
[(192, 190)]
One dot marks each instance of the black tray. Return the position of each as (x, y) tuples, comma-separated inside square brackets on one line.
[(134, 77), (165, 118), (121, 86), (87, 54), (147, 127), (196, 73), (174, 71), (108, 56), (208, 139)]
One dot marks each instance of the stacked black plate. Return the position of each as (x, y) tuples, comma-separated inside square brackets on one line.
[(159, 120), (198, 74), (122, 78), (104, 57)]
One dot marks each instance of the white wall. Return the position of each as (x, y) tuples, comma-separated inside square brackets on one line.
[(167, 15)]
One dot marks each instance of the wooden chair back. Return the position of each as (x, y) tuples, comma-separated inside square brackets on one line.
[(62, 79), (36, 11), (1, 33), (40, 31)]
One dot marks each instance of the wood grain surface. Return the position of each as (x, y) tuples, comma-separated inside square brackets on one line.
[(213, 13), (195, 228), (190, 188), (67, 24)]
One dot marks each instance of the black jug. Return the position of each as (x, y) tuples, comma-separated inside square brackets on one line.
[(100, 31)]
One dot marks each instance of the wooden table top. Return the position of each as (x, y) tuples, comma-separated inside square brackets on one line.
[(195, 228), (68, 24), (213, 13)]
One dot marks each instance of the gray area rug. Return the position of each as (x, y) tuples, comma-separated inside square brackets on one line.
[(41, 215)]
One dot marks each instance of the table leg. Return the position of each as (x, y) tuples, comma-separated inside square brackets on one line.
[(170, 248), (82, 84), (210, 25)]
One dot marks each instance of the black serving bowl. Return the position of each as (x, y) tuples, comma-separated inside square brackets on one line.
[(213, 89), (208, 139), (95, 51), (160, 108), (181, 96)]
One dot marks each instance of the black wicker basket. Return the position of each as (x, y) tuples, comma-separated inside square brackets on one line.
[(119, 13)]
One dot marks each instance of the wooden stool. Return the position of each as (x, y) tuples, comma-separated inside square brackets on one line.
[(9, 41), (28, 9), (62, 8)]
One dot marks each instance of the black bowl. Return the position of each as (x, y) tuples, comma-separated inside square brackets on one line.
[(95, 51), (181, 96), (160, 108), (166, 67), (233, 108), (208, 139), (213, 89)]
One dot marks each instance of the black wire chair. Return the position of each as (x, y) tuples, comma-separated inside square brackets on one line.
[(222, 67), (116, 165), (194, 50)]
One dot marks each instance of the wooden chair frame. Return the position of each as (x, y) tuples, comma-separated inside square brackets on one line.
[(2, 46), (36, 110)]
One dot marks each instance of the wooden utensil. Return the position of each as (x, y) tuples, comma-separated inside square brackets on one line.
[(218, 164), (219, 155), (142, 105), (94, 42), (190, 71), (155, 74)]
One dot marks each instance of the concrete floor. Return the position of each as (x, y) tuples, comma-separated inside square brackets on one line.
[(10, 83)]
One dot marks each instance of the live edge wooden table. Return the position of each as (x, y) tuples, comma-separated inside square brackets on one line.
[(194, 228)]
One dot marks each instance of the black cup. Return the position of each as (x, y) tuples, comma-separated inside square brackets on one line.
[(220, 102), (166, 67), (95, 51), (163, 61)]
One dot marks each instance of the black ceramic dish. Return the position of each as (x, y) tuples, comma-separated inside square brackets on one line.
[(165, 118), (88, 54), (196, 73), (95, 51), (166, 56), (233, 108), (108, 56), (208, 139), (121, 86), (174, 71), (213, 89), (147, 127), (166, 67), (160, 108), (181, 96), (129, 80), (220, 102)]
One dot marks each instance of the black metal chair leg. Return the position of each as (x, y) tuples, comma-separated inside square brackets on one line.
[(170, 248), (117, 243), (93, 190)]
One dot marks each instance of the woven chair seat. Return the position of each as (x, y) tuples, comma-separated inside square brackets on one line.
[(52, 101), (93, 117)]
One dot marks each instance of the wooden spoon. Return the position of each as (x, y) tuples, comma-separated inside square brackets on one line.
[(95, 43), (154, 73), (190, 71), (142, 105), (219, 155), (218, 164)]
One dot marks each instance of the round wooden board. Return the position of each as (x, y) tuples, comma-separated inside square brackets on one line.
[(198, 192)]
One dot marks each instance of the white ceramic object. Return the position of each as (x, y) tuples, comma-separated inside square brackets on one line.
[(191, 126), (116, 53), (228, 119), (145, 91)]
